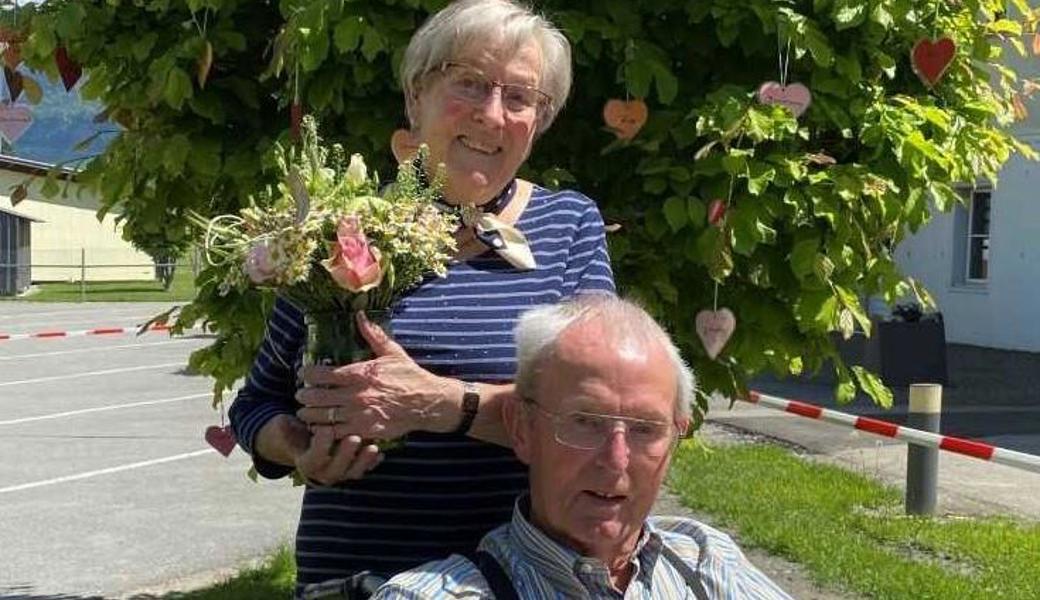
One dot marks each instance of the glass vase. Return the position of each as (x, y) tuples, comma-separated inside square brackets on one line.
[(333, 338)]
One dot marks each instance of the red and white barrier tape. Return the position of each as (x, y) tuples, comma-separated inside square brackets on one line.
[(970, 448), (98, 331)]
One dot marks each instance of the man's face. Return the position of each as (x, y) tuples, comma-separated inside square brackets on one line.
[(596, 500)]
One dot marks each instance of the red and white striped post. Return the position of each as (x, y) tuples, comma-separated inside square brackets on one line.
[(922, 462)]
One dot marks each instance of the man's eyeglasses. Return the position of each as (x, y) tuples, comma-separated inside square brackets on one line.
[(472, 85), (590, 431)]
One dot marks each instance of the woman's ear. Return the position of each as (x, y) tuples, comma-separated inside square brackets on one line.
[(517, 422)]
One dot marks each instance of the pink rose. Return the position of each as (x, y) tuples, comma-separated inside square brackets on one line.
[(353, 263), (259, 265)]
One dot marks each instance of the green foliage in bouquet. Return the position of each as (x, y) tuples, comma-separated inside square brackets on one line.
[(818, 203)]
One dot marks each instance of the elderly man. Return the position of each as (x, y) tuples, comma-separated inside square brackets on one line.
[(602, 397)]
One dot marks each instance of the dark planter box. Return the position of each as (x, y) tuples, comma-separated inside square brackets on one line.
[(912, 352)]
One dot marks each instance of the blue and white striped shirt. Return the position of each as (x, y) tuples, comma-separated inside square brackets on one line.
[(437, 493), (670, 551)]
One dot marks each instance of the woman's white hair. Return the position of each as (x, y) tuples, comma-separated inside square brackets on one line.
[(462, 23), (539, 330)]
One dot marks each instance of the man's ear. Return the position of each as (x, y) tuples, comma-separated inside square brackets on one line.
[(518, 427)]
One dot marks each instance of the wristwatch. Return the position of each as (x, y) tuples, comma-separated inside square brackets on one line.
[(470, 404)]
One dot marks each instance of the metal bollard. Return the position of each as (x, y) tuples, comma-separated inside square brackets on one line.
[(922, 464)]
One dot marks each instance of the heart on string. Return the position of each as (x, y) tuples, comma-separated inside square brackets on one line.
[(14, 120), (716, 212), (715, 327), (295, 118), (403, 144), (931, 59), (625, 118), (69, 69), (221, 438), (795, 97), (14, 83)]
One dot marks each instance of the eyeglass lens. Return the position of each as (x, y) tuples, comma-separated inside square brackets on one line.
[(589, 431), (473, 86)]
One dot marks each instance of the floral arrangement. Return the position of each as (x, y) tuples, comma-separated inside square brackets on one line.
[(325, 239)]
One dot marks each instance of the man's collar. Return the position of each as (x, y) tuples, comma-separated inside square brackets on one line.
[(564, 567)]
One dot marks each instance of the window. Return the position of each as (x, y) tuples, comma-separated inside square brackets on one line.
[(978, 237), (971, 241)]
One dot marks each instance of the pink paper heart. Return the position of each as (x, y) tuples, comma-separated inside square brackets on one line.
[(221, 438), (795, 97), (14, 120), (715, 327)]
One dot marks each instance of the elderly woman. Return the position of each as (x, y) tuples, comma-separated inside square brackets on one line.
[(482, 79)]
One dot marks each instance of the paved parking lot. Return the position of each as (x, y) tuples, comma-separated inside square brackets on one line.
[(106, 485)]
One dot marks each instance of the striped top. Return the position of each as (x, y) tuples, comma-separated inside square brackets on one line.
[(671, 551), (437, 493)]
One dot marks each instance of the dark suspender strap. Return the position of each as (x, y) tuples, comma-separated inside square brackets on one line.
[(691, 575), (499, 582)]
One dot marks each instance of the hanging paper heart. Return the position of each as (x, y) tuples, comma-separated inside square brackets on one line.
[(795, 97), (295, 118), (14, 83), (403, 144), (715, 327), (716, 212), (625, 118), (14, 120), (203, 64), (69, 69), (931, 59), (221, 438)]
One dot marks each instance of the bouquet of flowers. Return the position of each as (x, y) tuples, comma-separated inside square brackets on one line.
[(327, 241)]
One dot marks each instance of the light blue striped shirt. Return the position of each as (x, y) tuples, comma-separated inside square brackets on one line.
[(671, 551)]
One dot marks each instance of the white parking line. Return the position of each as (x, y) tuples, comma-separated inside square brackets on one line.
[(95, 349), (88, 474), (92, 373), (103, 408)]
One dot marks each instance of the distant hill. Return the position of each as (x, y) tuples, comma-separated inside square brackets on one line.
[(60, 121)]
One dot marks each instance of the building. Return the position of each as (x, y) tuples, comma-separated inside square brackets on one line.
[(15, 241), (61, 237), (981, 261)]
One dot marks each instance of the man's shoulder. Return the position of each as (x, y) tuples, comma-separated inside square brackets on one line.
[(452, 577)]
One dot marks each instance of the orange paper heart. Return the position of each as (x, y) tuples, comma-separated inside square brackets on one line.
[(403, 144), (715, 327), (626, 118)]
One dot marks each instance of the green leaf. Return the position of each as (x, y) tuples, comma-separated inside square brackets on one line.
[(373, 44), (872, 385), (696, 211), (347, 34), (849, 13), (175, 152), (666, 82), (803, 256), (675, 213), (178, 88)]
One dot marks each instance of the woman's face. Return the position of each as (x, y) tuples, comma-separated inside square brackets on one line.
[(481, 143)]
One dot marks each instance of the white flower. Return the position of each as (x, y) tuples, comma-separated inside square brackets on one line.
[(357, 172)]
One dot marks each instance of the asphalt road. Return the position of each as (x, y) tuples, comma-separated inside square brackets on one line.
[(106, 485)]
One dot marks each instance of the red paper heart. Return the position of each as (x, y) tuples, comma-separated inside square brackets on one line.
[(69, 69), (795, 97), (14, 120), (715, 327), (625, 118), (931, 59), (716, 211), (221, 438)]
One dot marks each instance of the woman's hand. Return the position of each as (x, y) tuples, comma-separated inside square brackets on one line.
[(328, 461), (383, 398)]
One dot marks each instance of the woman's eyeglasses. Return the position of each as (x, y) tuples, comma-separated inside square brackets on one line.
[(472, 85), (590, 431)]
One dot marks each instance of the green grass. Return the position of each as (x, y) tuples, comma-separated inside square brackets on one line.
[(271, 580), (849, 531), (182, 290)]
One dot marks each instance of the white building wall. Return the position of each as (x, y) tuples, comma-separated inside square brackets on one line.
[(1005, 311)]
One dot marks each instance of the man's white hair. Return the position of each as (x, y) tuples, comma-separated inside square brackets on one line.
[(538, 332), (445, 34)]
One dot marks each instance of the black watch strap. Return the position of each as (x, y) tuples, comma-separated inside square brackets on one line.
[(470, 404)]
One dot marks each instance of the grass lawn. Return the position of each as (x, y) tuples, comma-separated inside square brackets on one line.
[(272, 580), (182, 290), (849, 531)]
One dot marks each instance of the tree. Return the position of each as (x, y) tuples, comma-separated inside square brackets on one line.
[(815, 204)]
